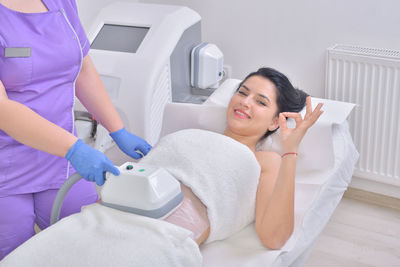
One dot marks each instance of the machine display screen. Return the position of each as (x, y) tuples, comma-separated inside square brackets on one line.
[(119, 38)]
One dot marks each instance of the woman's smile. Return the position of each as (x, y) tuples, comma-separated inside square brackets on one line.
[(241, 114)]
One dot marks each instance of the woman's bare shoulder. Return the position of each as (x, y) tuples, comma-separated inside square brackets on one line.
[(268, 160)]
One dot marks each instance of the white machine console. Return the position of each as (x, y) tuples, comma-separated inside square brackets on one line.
[(142, 189), (142, 52)]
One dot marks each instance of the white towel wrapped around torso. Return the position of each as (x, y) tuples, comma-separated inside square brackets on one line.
[(220, 171)]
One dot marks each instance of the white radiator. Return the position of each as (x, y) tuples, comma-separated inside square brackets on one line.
[(371, 79)]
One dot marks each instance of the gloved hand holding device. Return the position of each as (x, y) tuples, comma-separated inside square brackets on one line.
[(89, 162), (130, 143)]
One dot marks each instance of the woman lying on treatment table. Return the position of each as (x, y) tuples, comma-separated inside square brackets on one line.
[(227, 185), (258, 108)]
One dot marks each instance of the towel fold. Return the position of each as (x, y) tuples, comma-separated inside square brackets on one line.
[(220, 171), (101, 236)]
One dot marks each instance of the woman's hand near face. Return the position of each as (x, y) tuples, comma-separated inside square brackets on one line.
[(291, 137)]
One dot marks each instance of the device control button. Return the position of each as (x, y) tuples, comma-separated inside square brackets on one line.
[(129, 167), (141, 170)]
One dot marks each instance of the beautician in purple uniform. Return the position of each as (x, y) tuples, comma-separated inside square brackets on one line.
[(43, 64)]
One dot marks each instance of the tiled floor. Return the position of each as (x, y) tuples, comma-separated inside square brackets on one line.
[(359, 234)]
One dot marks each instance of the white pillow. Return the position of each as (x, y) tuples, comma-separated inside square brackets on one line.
[(315, 151)]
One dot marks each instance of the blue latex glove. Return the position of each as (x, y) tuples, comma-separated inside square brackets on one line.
[(130, 143), (90, 163)]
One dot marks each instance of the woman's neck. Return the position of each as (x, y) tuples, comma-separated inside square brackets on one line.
[(250, 141)]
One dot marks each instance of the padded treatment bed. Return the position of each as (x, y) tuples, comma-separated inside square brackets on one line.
[(324, 169), (326, 160)]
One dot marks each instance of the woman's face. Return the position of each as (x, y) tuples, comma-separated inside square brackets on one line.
[(252, 110)]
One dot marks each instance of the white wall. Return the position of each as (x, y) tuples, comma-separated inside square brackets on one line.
[(88, 9), (292, 36)]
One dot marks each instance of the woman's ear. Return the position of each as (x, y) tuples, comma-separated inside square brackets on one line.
[(275, 124)]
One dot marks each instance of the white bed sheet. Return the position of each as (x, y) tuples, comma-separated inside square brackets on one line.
[(318, 201)]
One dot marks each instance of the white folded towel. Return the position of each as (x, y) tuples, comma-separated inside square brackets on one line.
[(220, 171), (101, 236)]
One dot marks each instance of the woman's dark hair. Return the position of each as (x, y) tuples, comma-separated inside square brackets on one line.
[(288, 98)]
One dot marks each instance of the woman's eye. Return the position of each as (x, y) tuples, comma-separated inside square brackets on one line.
[(242, 93), (261, 103)]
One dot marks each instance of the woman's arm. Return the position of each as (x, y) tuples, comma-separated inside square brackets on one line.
[(27, 127), (275, 193), (275, 199), (91, 92)]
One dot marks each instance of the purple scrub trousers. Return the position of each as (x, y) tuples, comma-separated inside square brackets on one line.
[(40, 58)]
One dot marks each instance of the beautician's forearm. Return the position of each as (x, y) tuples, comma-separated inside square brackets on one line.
[(278, 220), (29, 128), (91, 92)]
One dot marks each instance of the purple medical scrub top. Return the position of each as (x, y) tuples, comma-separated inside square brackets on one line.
[(43, 81)]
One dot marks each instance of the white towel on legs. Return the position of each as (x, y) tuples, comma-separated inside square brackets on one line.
[(101, 236)]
